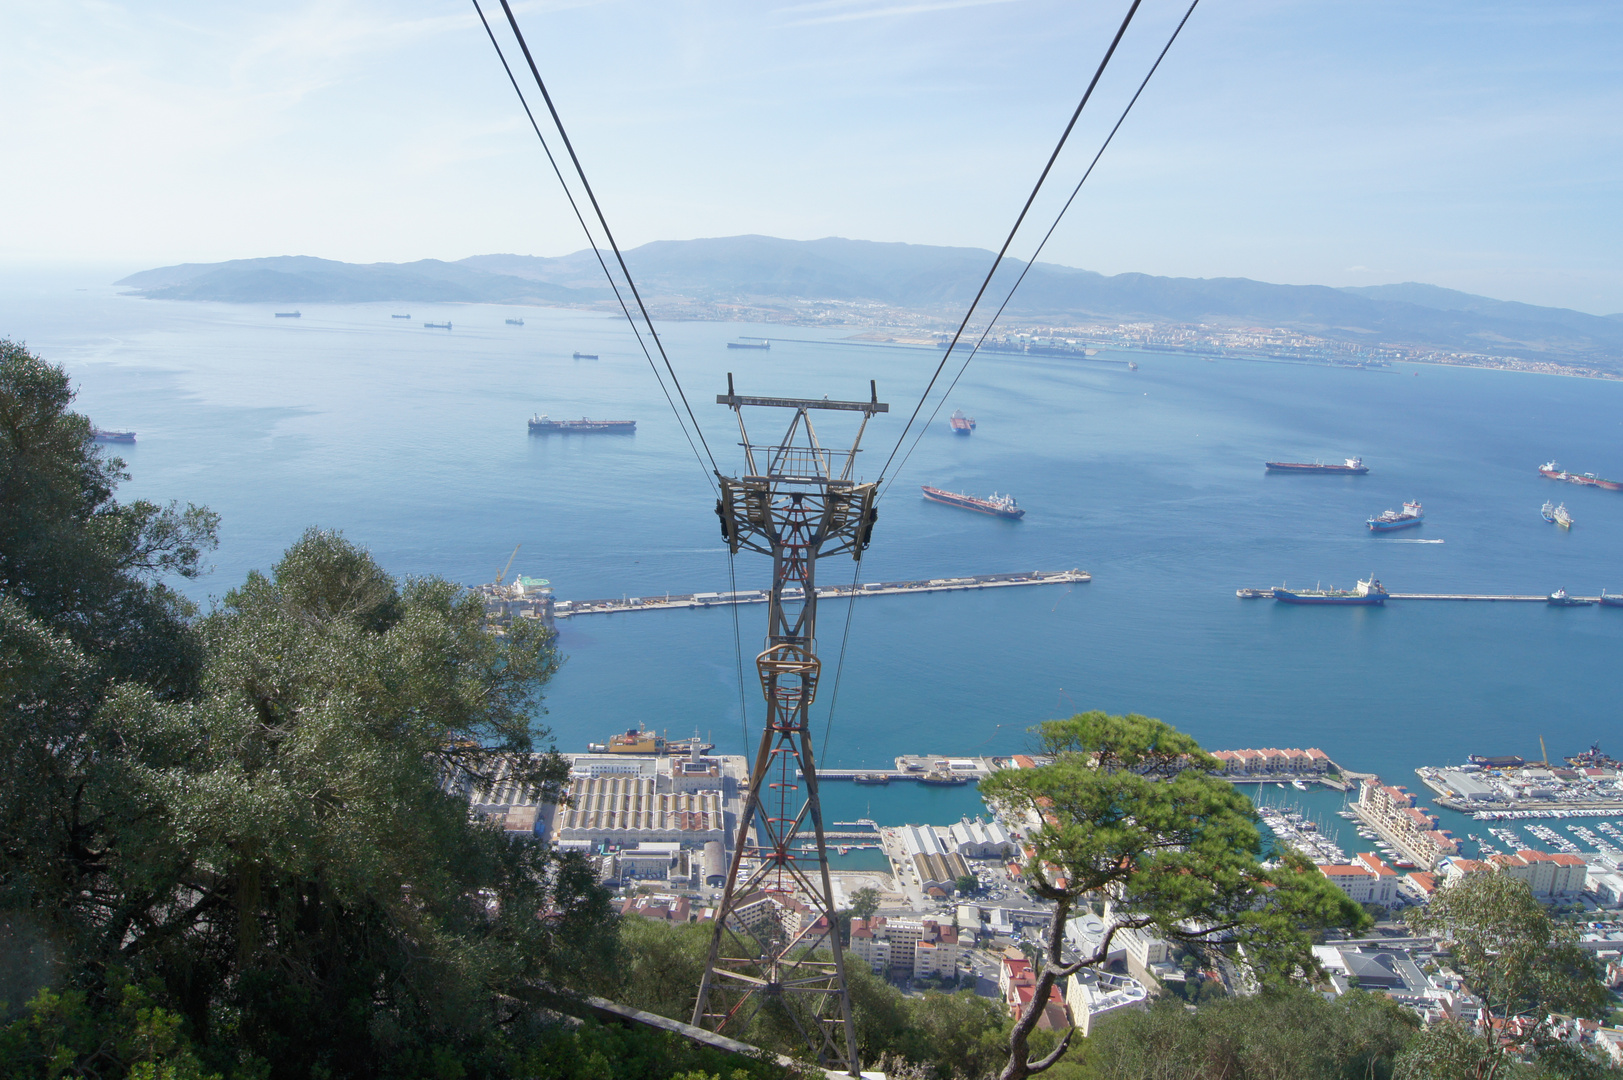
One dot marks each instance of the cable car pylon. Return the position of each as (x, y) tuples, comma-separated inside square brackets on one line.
[(776, 943)]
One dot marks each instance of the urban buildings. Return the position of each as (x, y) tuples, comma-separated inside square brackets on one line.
[(906, 948), (1392, 813), (1550, 877), (1366, 879)]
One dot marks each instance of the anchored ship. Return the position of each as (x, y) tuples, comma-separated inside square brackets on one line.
[(1588, 479), (1367, 592), (649, 742), (586, 356), (436, 326), (1559, 598), (515, 322), (961, 424), (1349, 465), (871, 778), (1548, 511), (1562, 516), (287, 315), (112, 436), (1388, 520), (763, 343), (399, 316), (1610, 599), (937, 778), (998, 505), (543, 425)]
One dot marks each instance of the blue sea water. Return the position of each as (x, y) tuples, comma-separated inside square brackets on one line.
[(413, 441)]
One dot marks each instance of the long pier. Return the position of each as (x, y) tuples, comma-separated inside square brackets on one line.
[(1267, 594), (564, 609)]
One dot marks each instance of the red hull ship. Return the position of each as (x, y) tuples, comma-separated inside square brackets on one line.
[(1002, 506), (1588, 479), (961, 424)]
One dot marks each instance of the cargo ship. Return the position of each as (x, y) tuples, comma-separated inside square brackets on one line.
[(1559, 598), (961, 424), (1562, 516), (586, 356), (1588, 479), (515, 322), (1352, 465), (1610, 599), (287, 315), (543, 425), (871, 778), (1505, 761), (1367, 592), (112, 436), (649, 742), (1388, 520), (764, 343), (998, 505), (399, 316), (436, 326), (937, 778)]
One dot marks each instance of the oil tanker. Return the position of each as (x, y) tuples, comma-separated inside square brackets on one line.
[(1367, 592), (541, 424), (1588, 479), (1388, 520), (998, 505), (1353, 465)]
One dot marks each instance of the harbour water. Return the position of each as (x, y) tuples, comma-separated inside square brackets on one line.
[(414, 443)]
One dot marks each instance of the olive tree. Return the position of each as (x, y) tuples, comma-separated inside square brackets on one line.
[(1128, 810)]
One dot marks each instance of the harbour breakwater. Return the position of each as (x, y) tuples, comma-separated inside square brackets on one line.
[(562, 609)]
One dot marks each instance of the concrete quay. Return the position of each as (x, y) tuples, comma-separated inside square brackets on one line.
[(563, 609)]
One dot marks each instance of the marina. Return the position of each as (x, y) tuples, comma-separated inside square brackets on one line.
[(567, 608)]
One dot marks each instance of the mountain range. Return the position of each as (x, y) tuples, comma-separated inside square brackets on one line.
[(938, 281)]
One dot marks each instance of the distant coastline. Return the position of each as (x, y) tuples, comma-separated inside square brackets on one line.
[(918, 292)]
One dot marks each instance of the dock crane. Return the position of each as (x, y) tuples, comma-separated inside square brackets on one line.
[(1544, 755), (509, 565)]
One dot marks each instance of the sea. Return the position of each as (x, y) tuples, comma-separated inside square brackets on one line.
[(413, 442)]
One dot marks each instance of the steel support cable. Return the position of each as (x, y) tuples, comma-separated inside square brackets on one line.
[(604, 223), (592, 241), (1024, 210), (1046, 236)]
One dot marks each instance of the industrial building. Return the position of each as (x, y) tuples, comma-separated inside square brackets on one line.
[(621, 810), (978, 840), (938, 867)]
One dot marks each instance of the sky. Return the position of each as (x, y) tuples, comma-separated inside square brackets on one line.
[(1466, 143)]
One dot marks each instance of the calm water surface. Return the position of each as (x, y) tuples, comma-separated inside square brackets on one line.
[(414, 443)]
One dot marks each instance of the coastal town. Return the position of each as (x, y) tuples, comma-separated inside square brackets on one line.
[(657, 819)]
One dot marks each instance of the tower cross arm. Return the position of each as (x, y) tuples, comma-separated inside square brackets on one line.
[(739, 400)]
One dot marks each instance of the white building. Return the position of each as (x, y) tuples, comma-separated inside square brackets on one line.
[(915, 948), (1366, 879), (627, 809), (1094, 996), (977, 840)]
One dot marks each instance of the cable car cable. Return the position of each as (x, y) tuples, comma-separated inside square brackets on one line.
[(1046, 236), (1103, 63)]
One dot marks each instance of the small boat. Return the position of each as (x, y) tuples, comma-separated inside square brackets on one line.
[(112, 436), (586, 356), (1563, 517), (288, 315), (436, 326), (1253, 594), (1559, 598), (1132, 365), (1298, 785), (515, 322), (399, 316), (1548, 510)]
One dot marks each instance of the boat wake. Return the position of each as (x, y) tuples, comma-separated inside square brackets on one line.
[(1414, 541)]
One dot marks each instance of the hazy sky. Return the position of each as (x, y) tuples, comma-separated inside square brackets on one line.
[(1471, 144)]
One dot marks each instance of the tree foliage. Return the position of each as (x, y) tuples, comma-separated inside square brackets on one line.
[(1523, 964), (1282, 1034), (1131, 812)]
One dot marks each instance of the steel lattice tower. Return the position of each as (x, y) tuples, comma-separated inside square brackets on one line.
[(776, 942)]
